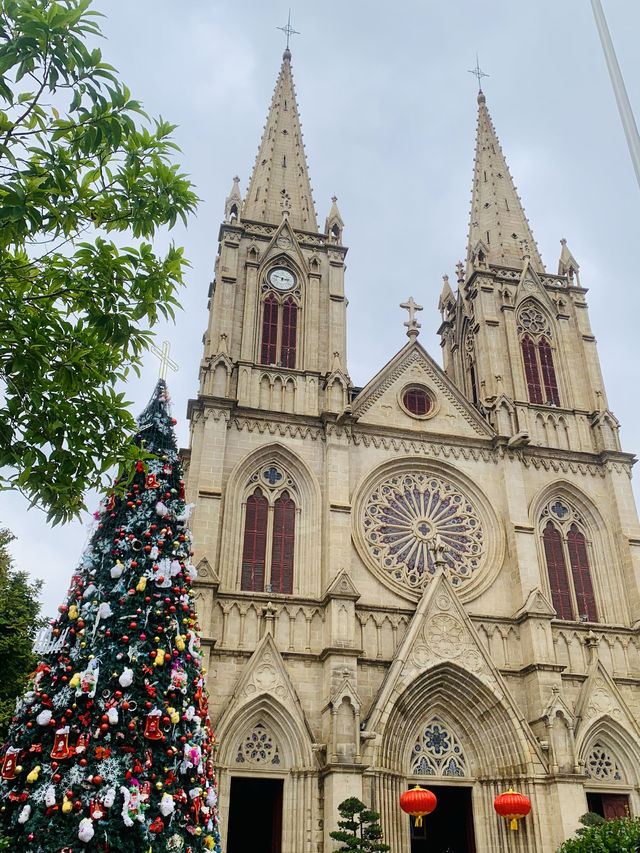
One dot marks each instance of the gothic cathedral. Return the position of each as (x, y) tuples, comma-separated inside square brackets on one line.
[(430, 580)]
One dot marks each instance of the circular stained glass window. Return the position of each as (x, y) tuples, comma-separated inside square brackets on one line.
[(417, 401), (412, 520)]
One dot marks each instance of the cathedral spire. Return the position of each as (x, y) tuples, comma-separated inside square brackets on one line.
[(499, 232), (280, 181)]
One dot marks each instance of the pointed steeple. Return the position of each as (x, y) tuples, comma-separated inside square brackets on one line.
[(567, 265), (280, 181), (233, 202), (333, 224), (499, 232)]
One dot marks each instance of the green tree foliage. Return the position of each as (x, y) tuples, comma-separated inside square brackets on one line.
[(79, 162), (609, 836), (19, 609), (359, 828)]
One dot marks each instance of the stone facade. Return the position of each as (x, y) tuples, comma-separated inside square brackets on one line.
[(419, 636)]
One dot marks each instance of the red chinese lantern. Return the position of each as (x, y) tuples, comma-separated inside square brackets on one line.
[(513, 806), (418, 802)]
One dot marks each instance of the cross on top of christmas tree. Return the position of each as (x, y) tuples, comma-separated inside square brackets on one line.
[(110, 747)]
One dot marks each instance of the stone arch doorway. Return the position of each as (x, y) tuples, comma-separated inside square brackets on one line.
[(449, 829), (261, 798)]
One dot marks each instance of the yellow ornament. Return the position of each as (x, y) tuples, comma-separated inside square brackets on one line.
[(72, 612), (208, 842), (174, 716), (180, 643), (142, 584), (67, 805), (159, 661), (75, 680), (33, 776)]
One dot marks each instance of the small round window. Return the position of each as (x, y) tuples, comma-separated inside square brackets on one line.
[(417, 401)]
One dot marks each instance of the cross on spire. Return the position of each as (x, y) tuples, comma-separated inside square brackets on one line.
[(288, 30), (412, 324), (163, 356), (478, 73)]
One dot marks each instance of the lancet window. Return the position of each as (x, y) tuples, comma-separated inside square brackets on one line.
[(471, 366), (537, 356), (437, 752), (268, 545), (279, 330), (566, 552)]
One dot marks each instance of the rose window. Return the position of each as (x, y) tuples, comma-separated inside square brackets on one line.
[(258, 747), (411, 521), (533, 321)]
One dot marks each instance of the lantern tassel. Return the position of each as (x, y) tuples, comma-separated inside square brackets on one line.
[(419, 820), (514, 823)]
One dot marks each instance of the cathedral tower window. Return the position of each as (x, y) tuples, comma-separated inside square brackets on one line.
[(469, 346), (279, 331), (269, 534), (537, 356), (567, 560)]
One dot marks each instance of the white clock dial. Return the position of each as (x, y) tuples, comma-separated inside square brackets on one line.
[(281, 278)]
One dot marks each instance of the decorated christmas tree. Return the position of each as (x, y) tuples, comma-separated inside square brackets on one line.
[(110, 747)]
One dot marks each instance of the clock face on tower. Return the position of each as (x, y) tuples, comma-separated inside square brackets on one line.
[(281, 278)]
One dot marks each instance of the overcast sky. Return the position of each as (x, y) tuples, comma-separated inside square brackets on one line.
[(388, 112)]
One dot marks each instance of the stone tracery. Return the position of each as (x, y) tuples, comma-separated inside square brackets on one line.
[(437, 752), (409, 517), (258, 747)]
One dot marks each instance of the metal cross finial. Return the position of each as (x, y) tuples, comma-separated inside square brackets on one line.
[(163, 355), (478, 73), (412, 324), (288, 30)]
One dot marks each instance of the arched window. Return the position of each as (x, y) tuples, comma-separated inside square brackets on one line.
[(255, 542), (537, 356), (268, 547), (289, 331), (438, 752), (279, 331), (269, 330), (567, 560), (469, 346)]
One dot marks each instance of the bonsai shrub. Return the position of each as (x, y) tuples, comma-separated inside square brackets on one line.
[(359, 828)]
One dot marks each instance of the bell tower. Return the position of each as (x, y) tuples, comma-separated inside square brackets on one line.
[(516, 339), (276, 338)]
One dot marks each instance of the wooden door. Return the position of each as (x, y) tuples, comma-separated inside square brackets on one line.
[(615, 806)]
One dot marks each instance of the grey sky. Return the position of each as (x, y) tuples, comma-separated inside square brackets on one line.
[(389, 112)]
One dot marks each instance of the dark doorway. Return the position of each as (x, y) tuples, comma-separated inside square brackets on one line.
[(255, 816), (448, 829), (609, 806)]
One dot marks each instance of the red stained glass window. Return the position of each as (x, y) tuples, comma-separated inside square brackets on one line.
[(417, 401), (255, 542), (269, 330), (577, 545), (531, 371), (289, 331), (557, 570), (548, 372), (284, 524)]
